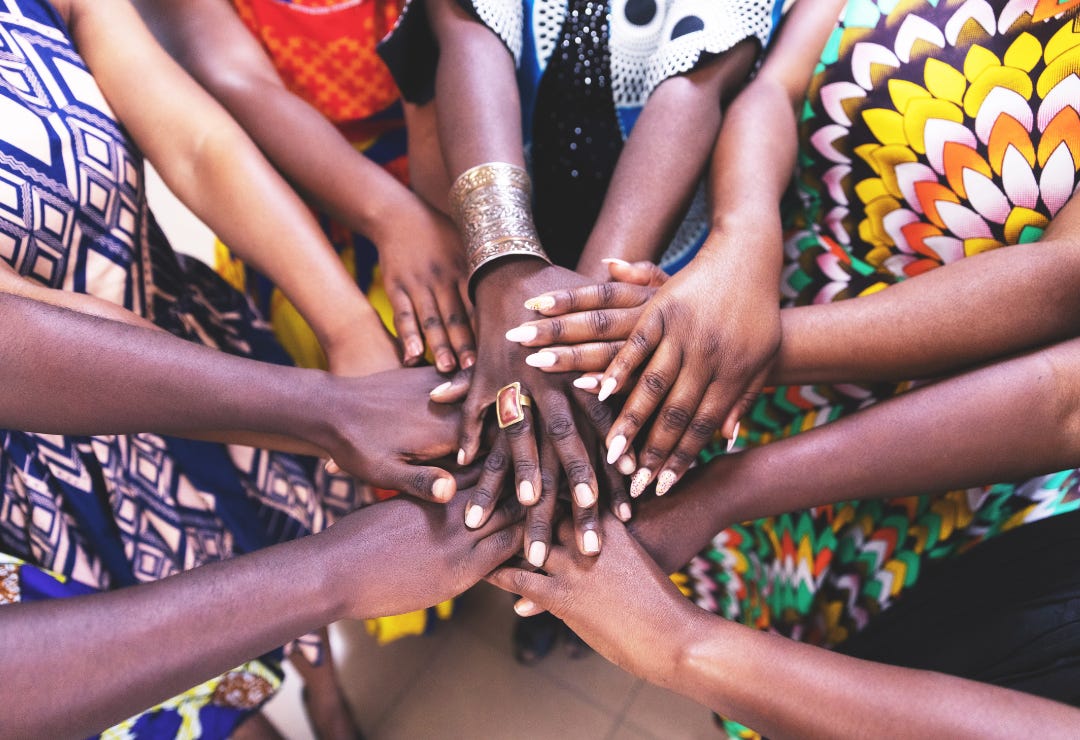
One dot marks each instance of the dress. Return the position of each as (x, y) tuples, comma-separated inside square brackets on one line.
[(80, 514), (933, 131), (585, 70)]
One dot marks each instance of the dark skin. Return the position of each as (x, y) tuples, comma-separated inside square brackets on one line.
[(419, 251), (474, 69)]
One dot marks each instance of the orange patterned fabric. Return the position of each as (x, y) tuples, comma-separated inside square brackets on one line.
[(324, 51)]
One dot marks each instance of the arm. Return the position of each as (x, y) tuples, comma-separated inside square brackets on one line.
[(733, 669), (418, 247), (165, 637), (64, 369), (207, 160), (1027, 410)]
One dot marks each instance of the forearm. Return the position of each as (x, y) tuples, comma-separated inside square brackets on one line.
[(108, 656), (64, 369), (670, 144), (956, 316), (1028, 409), (733, 670)]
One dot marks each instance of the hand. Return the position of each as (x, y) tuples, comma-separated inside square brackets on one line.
[(588, 325), (620, 603), (424, 275), (703, 347), (382, 427), (368, 350), (501, 294), (401, 555)]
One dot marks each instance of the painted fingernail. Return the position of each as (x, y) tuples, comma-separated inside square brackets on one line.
[(615, 261), (542, 359), (523, 333), (524, 607), (591, 541), (625, 465), (440, 388), (640, 481), (540, 303), (664, 482), (616, 448), (734, 436), (526, 494), (473, 516), (461, 456), (537, 554), (586, 383), (443, 489), (584, 495), (606, 389), (624, 512)]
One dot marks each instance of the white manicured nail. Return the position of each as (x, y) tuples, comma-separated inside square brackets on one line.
[(586, 382), (615, 261), (606, 388), (624, 512), (461, 456), (473, 516), (734, 436), (443, 489), (524, 607), (542, 359), (584, 495), (440, 388), (537, 554), (616, 448), (664, 482), (523, 333), (526, 495), (641, 480), (591, 541), (625, 465), (540, 303)]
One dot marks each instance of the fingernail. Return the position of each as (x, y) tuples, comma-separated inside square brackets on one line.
[(541, 359), (641, 480), (473, 516), (734, 436), (616, 448), (467, 362), (586, 382), (625, 465), (624, 512), (606, 389), (615, 261), (461, 456), (540, 303), (584, 495), (591, 541), (524, 607), (526, 494), (537, 554), (524, 333), (664, 482), (440, 388), (442, 489), (414, 347), (331, 467)]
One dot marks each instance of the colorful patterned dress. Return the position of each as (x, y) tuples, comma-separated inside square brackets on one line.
[(585, 70), (83, 514), (933, 131)]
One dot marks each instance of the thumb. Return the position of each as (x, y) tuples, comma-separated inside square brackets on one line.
[(422, 482), (534, 587), (453, 390), (638, 273)]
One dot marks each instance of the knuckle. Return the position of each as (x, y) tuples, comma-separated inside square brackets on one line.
[(653, 452), (495, 461), (606, 292), (599, 413), (403, 315), (418, 481), (639, 341), (524, 468), (632, 418), (654, 383), (457, 319), (701, 429), (684, 458), (539, 530), (560, 426), (600, 322), (483, 496), (578, 471), (431, 322), (557, 327), (675, 417), (519, 430)]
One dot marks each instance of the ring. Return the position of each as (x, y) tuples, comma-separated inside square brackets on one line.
[(510, 405)]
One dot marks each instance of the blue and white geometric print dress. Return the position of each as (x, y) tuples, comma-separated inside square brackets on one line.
[(79, 514)]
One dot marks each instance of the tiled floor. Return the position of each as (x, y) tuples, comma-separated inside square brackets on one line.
[(462, 682)]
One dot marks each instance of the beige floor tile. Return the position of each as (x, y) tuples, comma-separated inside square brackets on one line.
[(669, 716), (630, 731), (473, 690)]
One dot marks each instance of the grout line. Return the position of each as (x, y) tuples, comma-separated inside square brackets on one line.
[(620, 718)]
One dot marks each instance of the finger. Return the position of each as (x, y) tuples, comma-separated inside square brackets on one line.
[(484, 496), (639, 346), (496, 548), (600, 418), (676, 413), (577, 328), (536, 587), (618, 494), (638, 273), (560, 429), (647, 395), (587, 529), (540, 517), (405, 323), (458, 327), (590, 297), (522, 441), (422, 482), (699, 432), (453, 390), (434, 332), (591, 357), (472, 422), (589, 382)]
